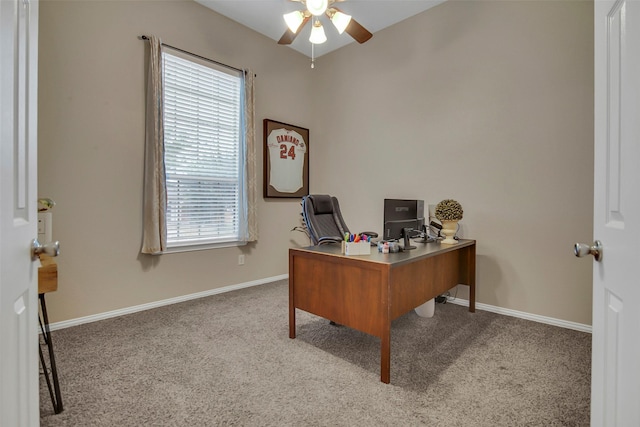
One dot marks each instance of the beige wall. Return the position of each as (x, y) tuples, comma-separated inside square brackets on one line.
[(489, 103), (486, 102), (91, 128)]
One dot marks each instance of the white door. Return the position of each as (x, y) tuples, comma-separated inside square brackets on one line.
[(18, 213), (615, 388)]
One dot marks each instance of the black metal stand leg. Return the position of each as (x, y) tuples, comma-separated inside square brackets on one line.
[(46, 332)]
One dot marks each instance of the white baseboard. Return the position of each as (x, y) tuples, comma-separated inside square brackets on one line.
[(148, 306), (521, 314), (459, 301)]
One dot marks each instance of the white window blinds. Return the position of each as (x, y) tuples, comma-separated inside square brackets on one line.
[(203, 151)]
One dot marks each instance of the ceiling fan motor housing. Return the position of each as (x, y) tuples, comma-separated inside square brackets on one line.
[(317, 7)]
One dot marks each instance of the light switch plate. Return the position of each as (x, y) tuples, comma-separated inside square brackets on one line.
[(432, 211), (45, 227)]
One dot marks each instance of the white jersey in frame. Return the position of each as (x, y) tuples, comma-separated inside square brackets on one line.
[(286, 155)]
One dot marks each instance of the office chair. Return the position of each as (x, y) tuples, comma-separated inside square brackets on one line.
[(323, 219)]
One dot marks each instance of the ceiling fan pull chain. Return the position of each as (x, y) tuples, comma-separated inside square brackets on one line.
[(313, 57)]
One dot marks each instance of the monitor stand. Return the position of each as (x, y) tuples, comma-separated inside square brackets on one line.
[(407, 241)]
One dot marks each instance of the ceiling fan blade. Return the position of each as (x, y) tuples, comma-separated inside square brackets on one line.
[(354, 29), (289, 36), (358, 32)]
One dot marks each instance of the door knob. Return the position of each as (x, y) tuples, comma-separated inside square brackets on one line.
[(52, 249), (582, 249)]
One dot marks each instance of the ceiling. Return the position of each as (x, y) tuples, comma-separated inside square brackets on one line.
[(265, 17)]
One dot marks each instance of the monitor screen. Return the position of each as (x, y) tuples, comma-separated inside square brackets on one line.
[(393, 230), (400, 214)]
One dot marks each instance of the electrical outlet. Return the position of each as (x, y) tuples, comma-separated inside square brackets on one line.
[(241, 259)]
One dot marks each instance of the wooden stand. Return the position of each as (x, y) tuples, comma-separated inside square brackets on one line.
[(48, 282)]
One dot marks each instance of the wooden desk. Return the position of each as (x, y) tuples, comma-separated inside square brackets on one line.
[(367, 292)]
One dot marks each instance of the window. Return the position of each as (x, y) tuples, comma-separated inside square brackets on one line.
[(204, 152)]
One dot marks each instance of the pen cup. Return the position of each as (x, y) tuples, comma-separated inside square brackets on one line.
[(357, 248)]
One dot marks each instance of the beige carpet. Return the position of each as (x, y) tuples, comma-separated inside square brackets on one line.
[(228, 360)]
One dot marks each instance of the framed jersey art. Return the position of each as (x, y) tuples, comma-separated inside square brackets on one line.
[(286, 160)]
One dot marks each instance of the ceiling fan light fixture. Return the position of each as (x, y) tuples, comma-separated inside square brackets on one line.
[(317, 7), (317, 34), (293, 20), (340, 21)]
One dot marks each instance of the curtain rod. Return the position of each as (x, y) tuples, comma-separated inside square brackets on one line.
[(143, 37)]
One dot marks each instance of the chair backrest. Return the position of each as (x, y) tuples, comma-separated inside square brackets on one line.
[(323, 218)]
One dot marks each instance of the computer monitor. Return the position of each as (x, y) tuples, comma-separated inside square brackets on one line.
[(403, 219)]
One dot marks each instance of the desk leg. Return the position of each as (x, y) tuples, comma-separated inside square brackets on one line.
[(46, 332), (292, 307), (385, 355), (472, 278), (292, 321), (472, 298), (467, 273)]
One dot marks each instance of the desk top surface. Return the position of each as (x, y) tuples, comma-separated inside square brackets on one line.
[(422, 250)]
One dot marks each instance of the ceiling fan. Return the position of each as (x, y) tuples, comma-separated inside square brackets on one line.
[(314, 9)]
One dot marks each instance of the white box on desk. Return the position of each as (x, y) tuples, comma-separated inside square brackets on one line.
[(357, 248)]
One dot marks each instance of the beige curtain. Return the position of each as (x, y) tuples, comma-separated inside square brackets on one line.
[(154, 234), (250, 139)]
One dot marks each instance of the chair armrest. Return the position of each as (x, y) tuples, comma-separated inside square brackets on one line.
[(330, 239)]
